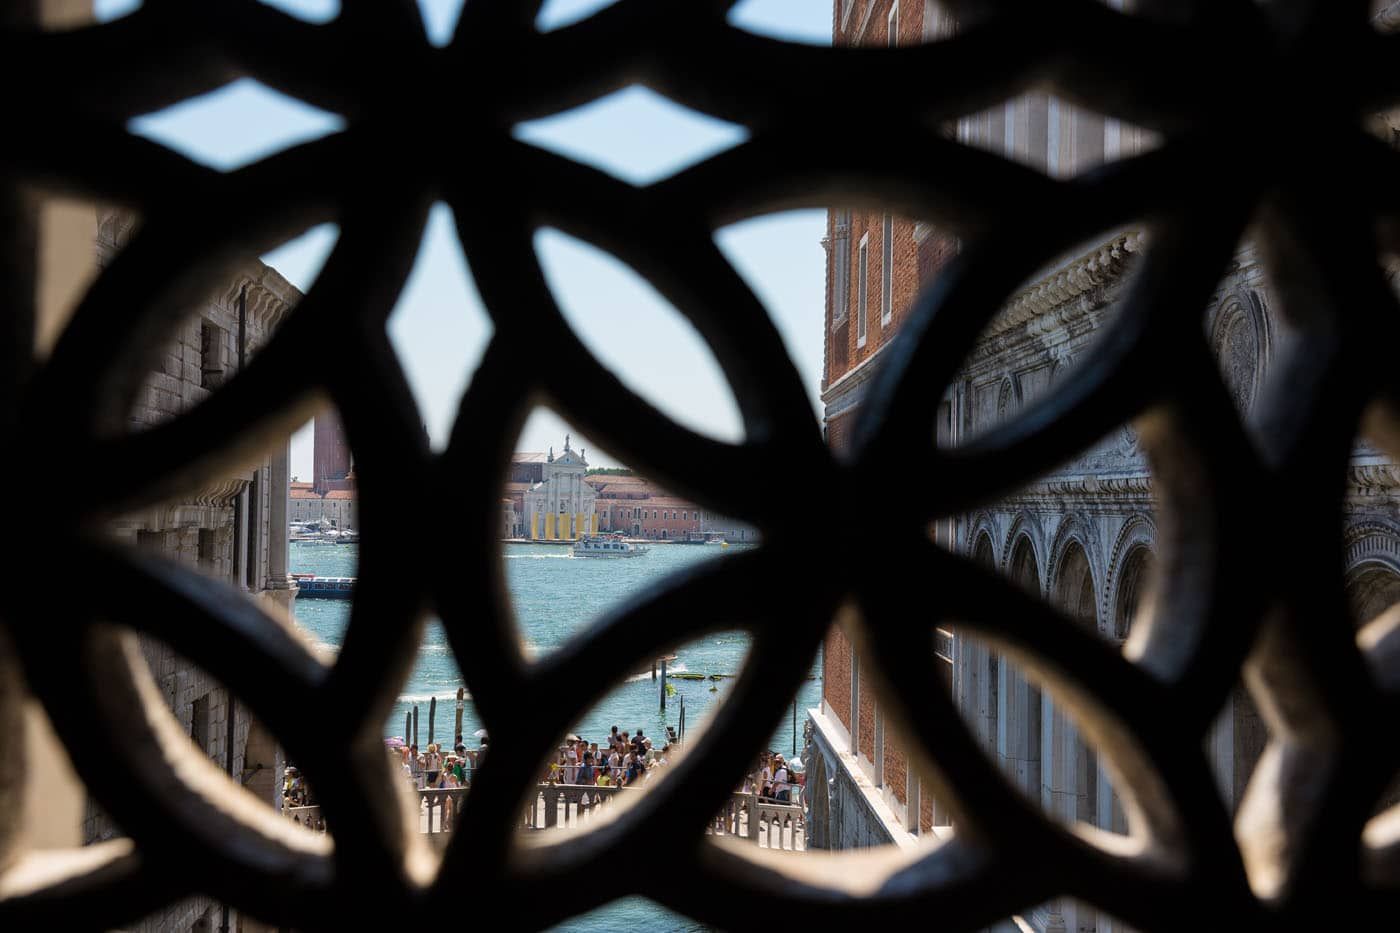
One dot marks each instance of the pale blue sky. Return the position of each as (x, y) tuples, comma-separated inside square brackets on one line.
[(439, 328)]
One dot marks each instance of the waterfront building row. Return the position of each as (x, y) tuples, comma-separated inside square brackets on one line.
[(337, 506), (556, 498)]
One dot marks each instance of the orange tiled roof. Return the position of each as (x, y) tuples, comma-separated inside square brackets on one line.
[(670, 502), (630, 489)]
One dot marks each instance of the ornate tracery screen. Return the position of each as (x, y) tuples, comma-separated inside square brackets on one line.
[(1261, 112)]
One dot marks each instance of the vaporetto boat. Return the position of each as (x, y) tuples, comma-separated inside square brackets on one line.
[(606, 546)]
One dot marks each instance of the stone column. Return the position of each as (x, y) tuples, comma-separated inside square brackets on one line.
[(279, 585), (1035, 147), (994, 130), (1112, 139), (988, 696), (1019, 728), (241, 528), (1108, 808), (1089, 140), (972, 690), (1059, 791)]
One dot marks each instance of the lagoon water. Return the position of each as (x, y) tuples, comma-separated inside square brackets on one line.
[(555, 595)]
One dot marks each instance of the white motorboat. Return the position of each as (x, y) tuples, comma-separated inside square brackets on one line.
[(606, 546)]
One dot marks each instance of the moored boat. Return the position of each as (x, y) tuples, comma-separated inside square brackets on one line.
[(314, 587)]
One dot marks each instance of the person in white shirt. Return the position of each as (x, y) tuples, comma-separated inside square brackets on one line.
[(570, 763), (782, 786), (433, 764)]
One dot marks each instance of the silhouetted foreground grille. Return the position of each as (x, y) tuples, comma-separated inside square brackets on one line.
[(1260, 112)]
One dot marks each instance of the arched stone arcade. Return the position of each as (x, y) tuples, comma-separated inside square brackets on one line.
[(1133, 578), (1372, 587), (1372, 567), (1075, 592)]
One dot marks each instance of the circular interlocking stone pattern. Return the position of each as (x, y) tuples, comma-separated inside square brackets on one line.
[(1246, 587)]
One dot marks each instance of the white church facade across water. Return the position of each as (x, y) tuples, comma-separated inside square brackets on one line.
[(562, 507)]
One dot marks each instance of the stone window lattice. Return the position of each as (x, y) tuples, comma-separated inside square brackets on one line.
[(1308, 857)]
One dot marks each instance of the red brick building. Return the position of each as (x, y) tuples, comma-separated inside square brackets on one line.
[(875, 260), (639, 509), (875, 264)]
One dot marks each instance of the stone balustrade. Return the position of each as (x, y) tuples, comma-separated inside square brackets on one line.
[(766, 823), (310, 817)]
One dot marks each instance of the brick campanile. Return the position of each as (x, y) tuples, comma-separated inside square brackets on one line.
[(332, 453)]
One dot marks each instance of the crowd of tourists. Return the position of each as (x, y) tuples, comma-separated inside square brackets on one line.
[(624, 759), (438, 766)]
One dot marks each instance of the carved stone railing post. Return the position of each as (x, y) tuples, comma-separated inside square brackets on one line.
[(551, 806)]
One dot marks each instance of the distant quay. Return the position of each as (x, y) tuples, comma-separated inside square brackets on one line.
[(566, 542)]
